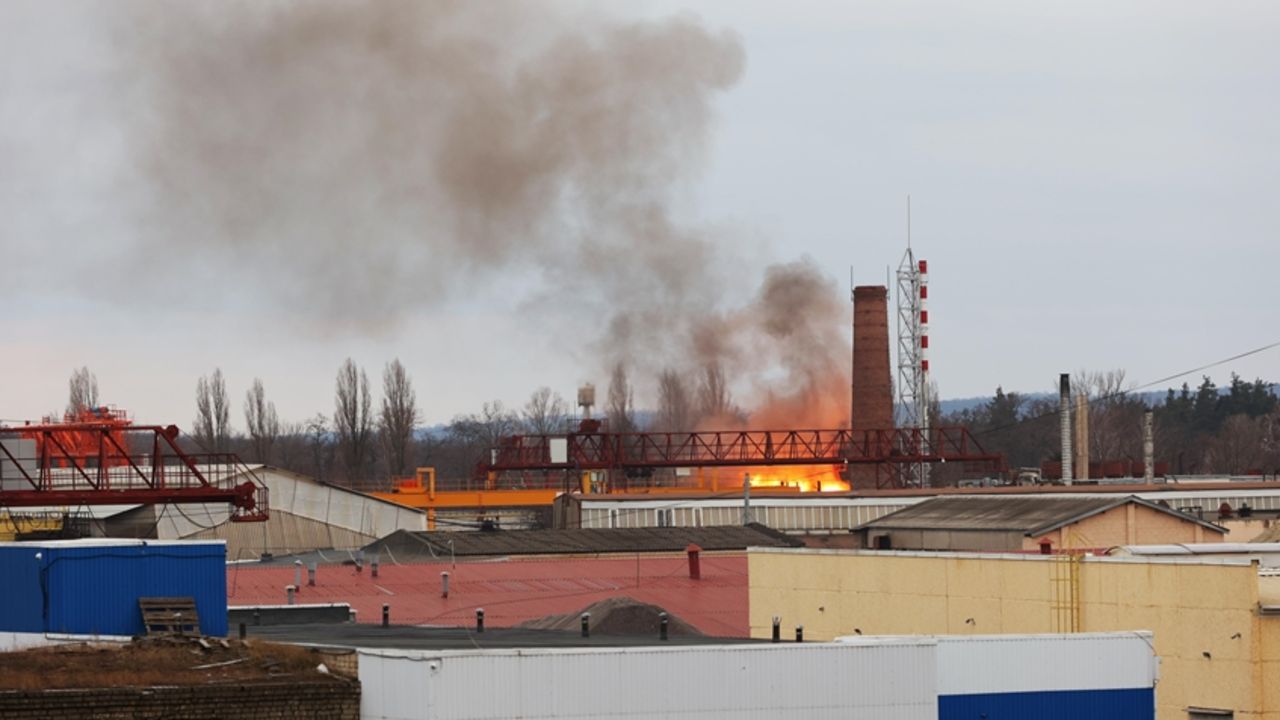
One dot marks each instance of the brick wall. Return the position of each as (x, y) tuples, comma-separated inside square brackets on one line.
[(329, 700)]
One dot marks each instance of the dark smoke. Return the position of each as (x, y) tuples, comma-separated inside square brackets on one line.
[(362, 160)]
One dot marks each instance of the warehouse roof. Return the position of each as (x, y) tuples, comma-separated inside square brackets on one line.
[(513, 591), (409, 546), (1030, 515)]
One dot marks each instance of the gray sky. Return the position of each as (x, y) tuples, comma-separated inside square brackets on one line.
[(1091, 183)]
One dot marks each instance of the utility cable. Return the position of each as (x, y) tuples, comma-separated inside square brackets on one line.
[(1122, 393)]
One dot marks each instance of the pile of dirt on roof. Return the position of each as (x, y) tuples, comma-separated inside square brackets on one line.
[(147, 662), (615, 616)]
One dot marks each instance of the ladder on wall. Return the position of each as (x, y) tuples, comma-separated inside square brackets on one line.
[(1065, 585)]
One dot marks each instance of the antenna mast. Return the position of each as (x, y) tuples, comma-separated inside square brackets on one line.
[(913, 360)]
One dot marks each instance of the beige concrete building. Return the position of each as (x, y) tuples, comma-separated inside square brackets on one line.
[(1216, 624), (1033, 523)]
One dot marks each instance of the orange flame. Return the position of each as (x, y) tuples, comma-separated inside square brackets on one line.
[(800, 478)]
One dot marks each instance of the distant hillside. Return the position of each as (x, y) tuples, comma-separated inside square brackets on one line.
[(949, 406), (1151, 397)]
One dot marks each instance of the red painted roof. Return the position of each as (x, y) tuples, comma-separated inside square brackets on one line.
[(516, 590)]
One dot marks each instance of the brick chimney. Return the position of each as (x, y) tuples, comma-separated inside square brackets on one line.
[(872, 384)]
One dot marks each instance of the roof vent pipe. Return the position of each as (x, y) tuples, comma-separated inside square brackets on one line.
[(1064, 411)]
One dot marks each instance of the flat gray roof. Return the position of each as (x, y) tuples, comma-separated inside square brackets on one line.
[(412, 637)]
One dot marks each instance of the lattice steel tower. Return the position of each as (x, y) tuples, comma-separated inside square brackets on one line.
[(913, 354)]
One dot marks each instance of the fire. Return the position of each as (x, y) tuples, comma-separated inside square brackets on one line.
[(802, 478)]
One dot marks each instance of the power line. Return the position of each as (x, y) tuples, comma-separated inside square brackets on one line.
[(1122, 393)]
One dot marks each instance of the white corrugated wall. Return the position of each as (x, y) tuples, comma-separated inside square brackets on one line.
[(1038, 663), (893, 680)]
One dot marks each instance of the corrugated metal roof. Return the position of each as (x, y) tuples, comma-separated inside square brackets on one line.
[(405, 546), (285, 532), (1030, 515), (514, 591)]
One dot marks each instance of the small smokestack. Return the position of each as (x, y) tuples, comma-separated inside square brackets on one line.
[(1082, 437), (1148, 448), (1064, 411)]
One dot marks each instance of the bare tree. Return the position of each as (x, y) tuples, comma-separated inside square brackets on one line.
[(221, 411), (1241, 446), (398, 417), (472, 436), (353, 419), (202, 426), (1115, 418), (545, 412), (497, 423), (621, 411), (83, 393), (290, 446), (212, 424), (260, 417), (319, 441), (714, 401), (676, 411)]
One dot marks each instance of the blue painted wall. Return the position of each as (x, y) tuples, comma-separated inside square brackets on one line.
[(1135, 704), (21, 607), (95, 588)]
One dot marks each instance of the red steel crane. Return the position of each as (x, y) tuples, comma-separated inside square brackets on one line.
[(100, 458), (592, 449)]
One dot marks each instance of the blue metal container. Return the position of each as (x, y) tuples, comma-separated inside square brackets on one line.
[(93, 586)]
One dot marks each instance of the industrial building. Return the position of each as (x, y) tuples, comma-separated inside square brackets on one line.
[(1216, 623), (305, 514), (829, 518), (1004, 523), (510, 591), (1098, 676)]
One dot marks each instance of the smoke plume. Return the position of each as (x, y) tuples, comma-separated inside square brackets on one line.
[(361, 160)]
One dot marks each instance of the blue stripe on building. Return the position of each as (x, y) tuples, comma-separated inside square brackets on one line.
[(1127, 704)]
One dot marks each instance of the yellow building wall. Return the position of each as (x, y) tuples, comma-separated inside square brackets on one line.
[(1193, 609), (1131, 524)]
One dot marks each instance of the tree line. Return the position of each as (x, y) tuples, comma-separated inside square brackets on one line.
[(1199, 430), (365, 443)]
